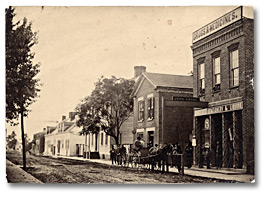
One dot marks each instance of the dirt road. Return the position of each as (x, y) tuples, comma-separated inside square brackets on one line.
[(51, 170)]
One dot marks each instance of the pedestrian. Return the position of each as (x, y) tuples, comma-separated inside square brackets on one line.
[(189, 155), (179, 148), (207, 157), (118, 154), (138, 144), (218, 155), (123, 154), (113, 155)]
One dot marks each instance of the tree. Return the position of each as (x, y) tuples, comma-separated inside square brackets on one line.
[(11, 140), (113, 103), (108, 106), (21, 82)]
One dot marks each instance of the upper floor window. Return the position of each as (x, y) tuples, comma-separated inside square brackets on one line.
[(216, 64), (141, 110), (202, 78), (150, 107), (216, 72), (234, 65)]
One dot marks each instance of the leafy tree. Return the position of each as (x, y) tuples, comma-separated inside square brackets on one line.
[(21, 82), (108, 107), (111, 104), (11, 136), (11, 140)]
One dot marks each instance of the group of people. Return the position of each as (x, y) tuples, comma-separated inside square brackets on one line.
[(118, 154)]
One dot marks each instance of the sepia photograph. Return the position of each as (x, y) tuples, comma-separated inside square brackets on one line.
[(129, 95)]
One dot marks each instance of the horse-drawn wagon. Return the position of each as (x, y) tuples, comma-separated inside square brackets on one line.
[(159, 158)]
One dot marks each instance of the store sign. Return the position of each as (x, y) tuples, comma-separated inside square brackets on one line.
[(218, 24), (187, 99), (219, 109)]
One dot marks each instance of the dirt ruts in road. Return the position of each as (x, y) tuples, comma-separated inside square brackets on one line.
[(60, 170)]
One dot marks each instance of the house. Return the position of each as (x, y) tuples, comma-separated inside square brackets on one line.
[(18, 146), (223, 72), (38, 143), (65, 138), (162, 113), (97, 145)]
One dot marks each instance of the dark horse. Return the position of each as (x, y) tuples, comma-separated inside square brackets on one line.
[(160, 158)]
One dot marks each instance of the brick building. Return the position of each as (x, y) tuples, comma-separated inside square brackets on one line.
[(160, 113), (223, 71)]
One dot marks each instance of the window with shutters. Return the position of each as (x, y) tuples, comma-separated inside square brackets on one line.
[(141, 110), (150, 108), (106, 139), (92, 139), (101, 139)]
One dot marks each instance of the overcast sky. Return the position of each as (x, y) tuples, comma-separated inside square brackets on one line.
[(77, 45)]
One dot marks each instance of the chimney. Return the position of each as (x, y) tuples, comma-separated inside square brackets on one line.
[(72, 115), (63, 117), (138, 70)]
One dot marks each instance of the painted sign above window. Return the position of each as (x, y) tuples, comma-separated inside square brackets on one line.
[(189, 99), (219, 109), (218, 24)]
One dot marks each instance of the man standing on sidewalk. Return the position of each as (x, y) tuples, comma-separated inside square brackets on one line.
[(113, 155)]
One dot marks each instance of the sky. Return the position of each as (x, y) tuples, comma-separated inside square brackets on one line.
[(79, 44)]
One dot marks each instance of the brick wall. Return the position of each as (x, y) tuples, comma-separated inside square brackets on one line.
[(242, 34)]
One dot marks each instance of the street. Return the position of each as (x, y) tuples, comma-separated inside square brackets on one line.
[(52, 170)]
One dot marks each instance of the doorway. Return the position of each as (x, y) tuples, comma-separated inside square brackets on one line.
[(150, 142)]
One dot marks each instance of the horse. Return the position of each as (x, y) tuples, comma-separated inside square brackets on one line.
[(160, 157)]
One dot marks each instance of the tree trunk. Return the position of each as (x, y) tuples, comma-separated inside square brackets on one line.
[(23, 142)]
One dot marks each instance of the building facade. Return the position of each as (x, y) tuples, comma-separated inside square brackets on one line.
[(223, 71), (64, 139), (97, 145), (39, 140), (161, 115)]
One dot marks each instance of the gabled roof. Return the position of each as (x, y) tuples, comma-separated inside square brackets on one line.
[(164, 80)]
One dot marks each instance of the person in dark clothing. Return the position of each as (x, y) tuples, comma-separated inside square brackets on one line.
[(189, 151), (113, 155), (207, 158), (218, 155), (179, 148)]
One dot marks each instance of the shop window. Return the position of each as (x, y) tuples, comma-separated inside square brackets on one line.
[(234, 65), (202, 78), (141, 110), (150, 107)]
